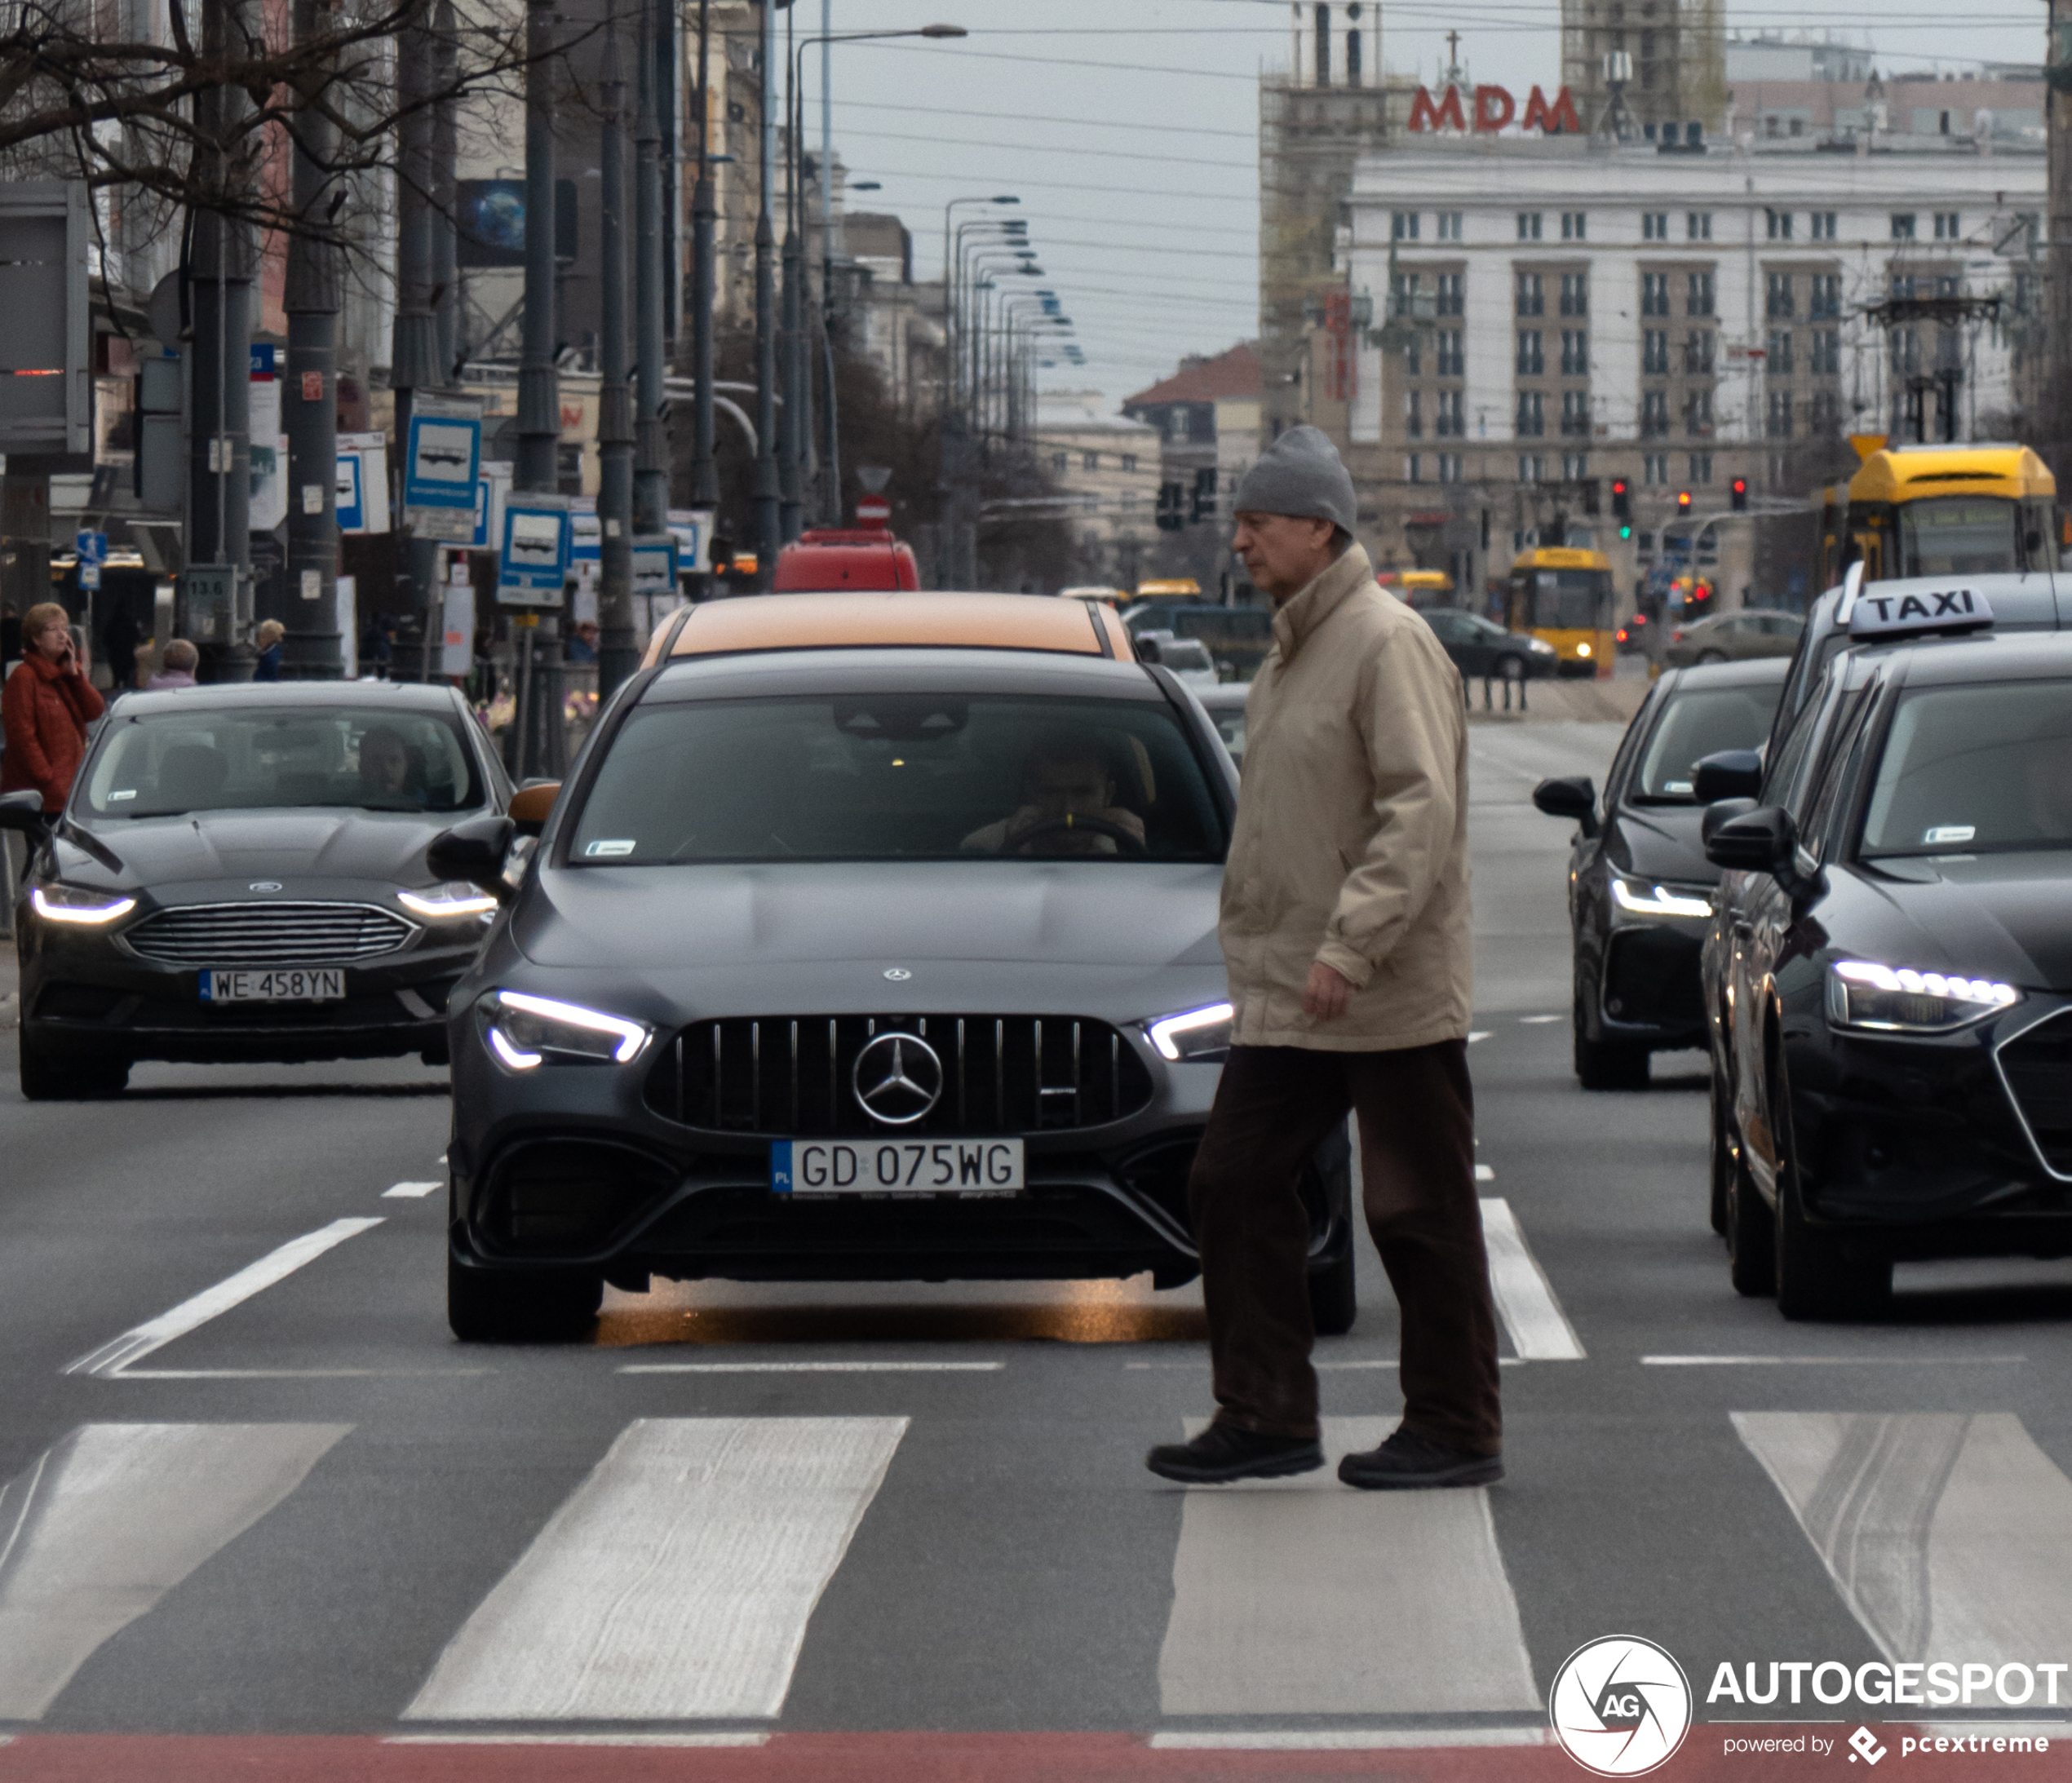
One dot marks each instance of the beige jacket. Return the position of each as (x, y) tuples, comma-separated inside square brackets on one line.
[(1351, 845)]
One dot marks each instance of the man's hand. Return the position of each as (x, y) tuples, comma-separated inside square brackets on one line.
[(1327, 995)]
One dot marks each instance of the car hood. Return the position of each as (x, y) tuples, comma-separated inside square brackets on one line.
[(781, 938), (1661, 842), (209, 853), (1987, 916)]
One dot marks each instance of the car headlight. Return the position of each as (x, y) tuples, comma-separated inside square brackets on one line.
[(1541, 646), (1898, 1000), (1197, 1035), (74, 904), (1583, 650), (526, 1032), (1643, 899), (447, 903)]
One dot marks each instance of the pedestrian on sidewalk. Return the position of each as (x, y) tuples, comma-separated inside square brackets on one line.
[(1345, 929), (45, 710), (177, 663), (267, 668)]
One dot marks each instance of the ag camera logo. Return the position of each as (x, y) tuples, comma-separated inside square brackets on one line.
[(1620, 1705)]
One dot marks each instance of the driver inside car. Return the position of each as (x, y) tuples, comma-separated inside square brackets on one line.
[(1065, 781), (385, 767)]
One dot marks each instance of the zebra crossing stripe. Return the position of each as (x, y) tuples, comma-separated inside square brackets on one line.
[(675, 1583), (1948, 1535), (1302, 1597), (1540, 1331), (111, 1519)]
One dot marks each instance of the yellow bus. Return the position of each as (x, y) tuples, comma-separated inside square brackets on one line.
[(1565, 597), (1940, 510)]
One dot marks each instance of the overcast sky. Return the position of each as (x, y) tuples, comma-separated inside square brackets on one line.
[(1129, 130)]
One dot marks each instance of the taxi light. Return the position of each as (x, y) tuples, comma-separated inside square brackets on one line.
[(1888, 999), (444, 903), (1198, 1034), (70, 904), (524, 1031), (1657, 901)]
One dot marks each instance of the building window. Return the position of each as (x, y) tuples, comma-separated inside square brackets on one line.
[(1823, 413), (1402, 226), (1452, 358), (1701, 468), (1949, 225), (1654, 469), (1820, 224), (1090, 461), (1698, 300), (1531, 468), (1572, 223), (1413, 464), (1778, 223), (1414, 357), (1060, 462), (1697, 352), (1780, 352), (1449, 421), (1127, 501), (1826, 361), (1826, 298), (1903, 225), (1698, 415), (1654, 225), (1575, 414), (1654, 293), (1532, 414), (1449, 467), (1450, 302), (1777, 300), (1129, 461), (1575, 294), (1528, 225), (1414, 415), (1778, 425), (1532, 294), (1575, 467), (1448, 225), (1575, 353), (1654, 353), (1090, 501), (1532, 358), (1697, 225), (1654, 413)]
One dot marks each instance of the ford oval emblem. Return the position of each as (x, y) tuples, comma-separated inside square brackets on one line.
[(898, 975), (264, 885)]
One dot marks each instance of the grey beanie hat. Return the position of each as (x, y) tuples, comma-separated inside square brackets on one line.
[(1299, 474)]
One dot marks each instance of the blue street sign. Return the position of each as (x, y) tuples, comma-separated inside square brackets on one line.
[(654, 565), (443, 463), (90, 547), (585, 539), (262, 360), (351, 516), (534, 558)]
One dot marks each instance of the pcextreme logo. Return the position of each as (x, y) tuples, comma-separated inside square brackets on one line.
[(1620, 1705)]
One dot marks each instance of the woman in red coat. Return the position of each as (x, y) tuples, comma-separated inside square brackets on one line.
[(46, 707)]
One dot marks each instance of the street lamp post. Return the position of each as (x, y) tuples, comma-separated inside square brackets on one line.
[(957, 561), (768, 520), (705, 470)]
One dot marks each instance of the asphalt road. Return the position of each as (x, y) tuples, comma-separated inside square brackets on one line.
[(258, 1492)]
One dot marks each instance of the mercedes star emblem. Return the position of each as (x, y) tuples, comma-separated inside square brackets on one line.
[(897, 1079), (898, 975), (264, 885)]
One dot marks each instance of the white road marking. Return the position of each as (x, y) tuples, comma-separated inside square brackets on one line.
[(397, 1191), (283, 1373), (113, 1517), (1300, 1597), (675, 1583), (1485, 1174), (1376, 1361), (696, 1739), (114, 1356), (1482, 1035), (1345, 1739), (812, 1368), (1533, 1021), (1899, 1360), (1948, 1535), (1540, 1331)]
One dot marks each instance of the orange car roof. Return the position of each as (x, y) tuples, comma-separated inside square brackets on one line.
[(834, 621)]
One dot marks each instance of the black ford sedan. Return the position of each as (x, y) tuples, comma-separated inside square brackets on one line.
[(1888, 984), (1639, 887), (239, 874)]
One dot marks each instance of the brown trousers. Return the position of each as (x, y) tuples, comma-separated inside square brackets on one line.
[(1274, 1106)]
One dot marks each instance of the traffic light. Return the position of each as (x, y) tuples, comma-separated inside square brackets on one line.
[(1741, 495), (1683, 503), (1170, 519), (1622, 506)]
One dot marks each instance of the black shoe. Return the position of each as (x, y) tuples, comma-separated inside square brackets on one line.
[(1408, 1461), (1224, 1452)]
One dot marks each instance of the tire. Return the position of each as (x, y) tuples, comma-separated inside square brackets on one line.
[(69, 1073), (1722, 1163), (1751, 1236), (1333, 1301), (487, 1306), (1813, 1276), (1706, 657), (1511, 669), (1605, 1064)]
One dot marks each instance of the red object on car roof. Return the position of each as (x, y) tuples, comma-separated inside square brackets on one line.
[(834, 560)]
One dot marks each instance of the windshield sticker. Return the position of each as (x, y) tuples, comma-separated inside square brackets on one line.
[(127, 792), (598, 851), (1676, 785), (1949, 832)]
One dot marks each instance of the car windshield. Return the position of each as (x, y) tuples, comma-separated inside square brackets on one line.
[(898, 776), (250, 758), (1694, 724), (1974, 770), (1958, 535)]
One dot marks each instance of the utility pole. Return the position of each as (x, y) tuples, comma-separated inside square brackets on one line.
[(616, 654), (705, 471), (651, 460), (312, 649), (830, 452), (536, 746), (769, 521), (791, 424), (414, 349), (445, 239)]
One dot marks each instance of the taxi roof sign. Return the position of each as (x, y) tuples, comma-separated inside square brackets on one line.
[(1907, 612)]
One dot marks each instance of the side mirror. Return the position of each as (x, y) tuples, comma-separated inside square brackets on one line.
[(24, 812), (1574, 796), (473, 852), (1731, 773), (1147, 649), (1765, 840), (530, 805), (1722, 811)]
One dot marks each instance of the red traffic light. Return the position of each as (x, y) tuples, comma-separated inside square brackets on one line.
[(1618, 485), (1740, 485), (1683, 501)]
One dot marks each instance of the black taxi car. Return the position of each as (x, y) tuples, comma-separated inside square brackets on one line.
[(1888, 977)]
